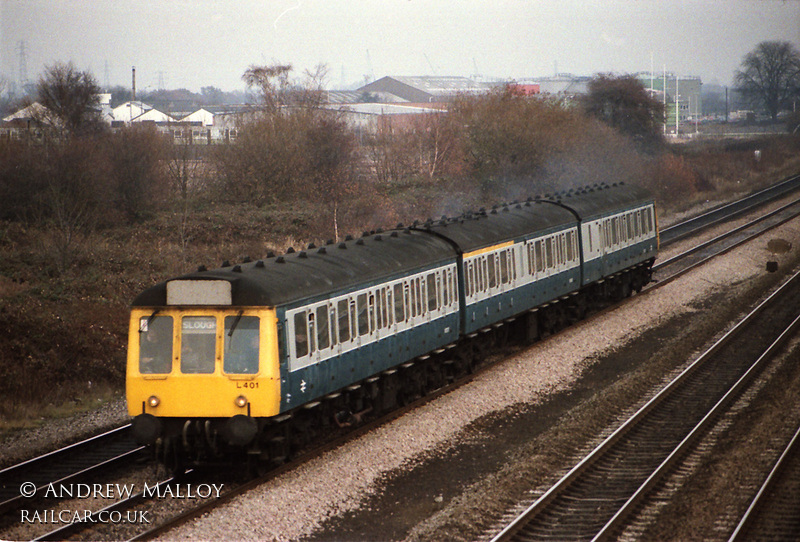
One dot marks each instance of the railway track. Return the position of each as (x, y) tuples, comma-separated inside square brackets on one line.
[(671, 268), (593, 501), (21, 482), (728, 211), (773, 514)]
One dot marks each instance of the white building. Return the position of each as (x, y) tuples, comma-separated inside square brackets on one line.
[(127, 111), (206, 118), (153, 115)]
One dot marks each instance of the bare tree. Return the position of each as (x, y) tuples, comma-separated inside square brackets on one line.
[(623, 103), (437, 139), (770, 76), (71, 98), (276, 89), (136, 170), (330, 150), (272, 83)]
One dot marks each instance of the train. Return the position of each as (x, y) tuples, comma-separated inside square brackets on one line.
[(263, 357)]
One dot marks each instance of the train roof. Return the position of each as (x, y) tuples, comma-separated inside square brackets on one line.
[(306, 274), (474, 231), (603, 199)]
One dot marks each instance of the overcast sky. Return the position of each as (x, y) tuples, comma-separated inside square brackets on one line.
[(196, 43)]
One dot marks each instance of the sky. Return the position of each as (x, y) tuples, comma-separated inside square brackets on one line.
[(196, 43)]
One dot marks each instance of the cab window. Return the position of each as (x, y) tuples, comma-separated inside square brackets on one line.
[(198, 344), (240, 355), (155, 345)]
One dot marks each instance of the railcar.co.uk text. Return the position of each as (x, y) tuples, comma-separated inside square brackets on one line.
[(107, 491)]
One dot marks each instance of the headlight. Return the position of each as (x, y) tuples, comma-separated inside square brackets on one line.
[(241, 401), (153, 401)]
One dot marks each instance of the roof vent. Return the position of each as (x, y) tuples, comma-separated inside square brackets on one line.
[(202, 268), (270, 254), (400, 226), (322, 250), (342, 245), (329, 242), (237, 269), (290, 250), (378, 238), (348, 238), (360, 241), (260, 264), (393, 234), (226, 263), (302, 255), (311, 246), (280, 259)]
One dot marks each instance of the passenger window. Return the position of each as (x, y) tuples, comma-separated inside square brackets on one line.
[(513, 263), (344, 321), (503, 267), (548, 252), (198, 344), (155, 345), (430, 283), (539, 257), (300, 334), (399, 310), (570, 247), (240, 355), (363, 314), (372, 313), (353, 319), (383, 316), (492, 270), (323, 333), (472, 283)]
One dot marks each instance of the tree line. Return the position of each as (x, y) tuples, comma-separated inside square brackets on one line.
[(293, 152)]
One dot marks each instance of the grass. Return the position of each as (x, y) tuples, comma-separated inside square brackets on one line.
[(18, 416)]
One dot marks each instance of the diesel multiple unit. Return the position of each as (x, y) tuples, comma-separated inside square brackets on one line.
[(263, 355)]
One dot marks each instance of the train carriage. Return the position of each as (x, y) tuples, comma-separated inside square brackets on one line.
[(256, 340), (514, 257), (618, 231)]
